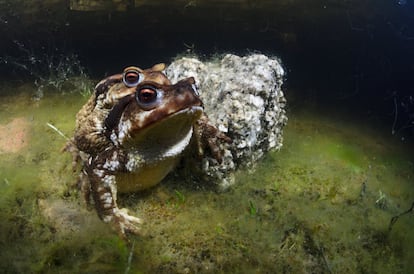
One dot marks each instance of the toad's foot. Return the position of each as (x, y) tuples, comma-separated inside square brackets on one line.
[(125, 223), (74, 151)]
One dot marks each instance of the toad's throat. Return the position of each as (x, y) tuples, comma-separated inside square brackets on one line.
[(165, 138), (158, 148)]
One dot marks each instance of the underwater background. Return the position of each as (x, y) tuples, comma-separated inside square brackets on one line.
[(322, 204)]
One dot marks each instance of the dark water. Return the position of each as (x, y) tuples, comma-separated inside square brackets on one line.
[(341, 52), (321, 205)]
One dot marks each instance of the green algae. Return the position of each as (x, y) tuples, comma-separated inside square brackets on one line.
[(310, 207)]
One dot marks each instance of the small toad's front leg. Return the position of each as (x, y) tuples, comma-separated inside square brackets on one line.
[(209, 136), (103, 190)]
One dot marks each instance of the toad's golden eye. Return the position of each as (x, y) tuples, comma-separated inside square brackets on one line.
[(148, 97), (131, 78)]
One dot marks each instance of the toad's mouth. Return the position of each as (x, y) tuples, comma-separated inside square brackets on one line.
[(167, 137)]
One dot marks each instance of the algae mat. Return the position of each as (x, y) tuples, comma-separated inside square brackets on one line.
[(320, 205)]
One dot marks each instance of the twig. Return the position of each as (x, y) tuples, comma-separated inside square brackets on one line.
[(395, 218), (325, 261), (131, 252), (363, 190), (57, 130)]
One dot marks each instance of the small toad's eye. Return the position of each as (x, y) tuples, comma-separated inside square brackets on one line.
[(148, 97), (131, 78)]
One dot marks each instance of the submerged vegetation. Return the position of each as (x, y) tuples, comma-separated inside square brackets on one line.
[(322, 204), (50, 68)]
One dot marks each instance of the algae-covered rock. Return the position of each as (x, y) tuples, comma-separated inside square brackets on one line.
[(243, 98)]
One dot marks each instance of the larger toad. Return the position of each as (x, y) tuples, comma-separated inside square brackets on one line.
[(131, 134)]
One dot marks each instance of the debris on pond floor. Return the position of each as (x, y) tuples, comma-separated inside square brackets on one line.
[(395, 218)]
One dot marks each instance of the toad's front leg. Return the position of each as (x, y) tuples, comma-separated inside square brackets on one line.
[(211, 137), (104, 193)]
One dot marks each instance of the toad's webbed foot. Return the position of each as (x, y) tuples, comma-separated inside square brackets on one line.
[(104, 193), (124, 223)]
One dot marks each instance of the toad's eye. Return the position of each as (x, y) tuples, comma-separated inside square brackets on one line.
[(148, 97), (131, 78)]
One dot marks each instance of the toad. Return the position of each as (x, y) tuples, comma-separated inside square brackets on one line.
[(132, 132)]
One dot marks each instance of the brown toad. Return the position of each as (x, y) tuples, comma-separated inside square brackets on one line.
[(131, 134)]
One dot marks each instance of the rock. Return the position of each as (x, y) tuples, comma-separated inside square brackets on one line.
[(14, 136), (243, 98), (66, 217)]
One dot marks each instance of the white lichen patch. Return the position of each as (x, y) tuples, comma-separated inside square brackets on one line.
[(112, 164), (123, 128), (108, 180), (106, 199), (98, 172), (134, 162)]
